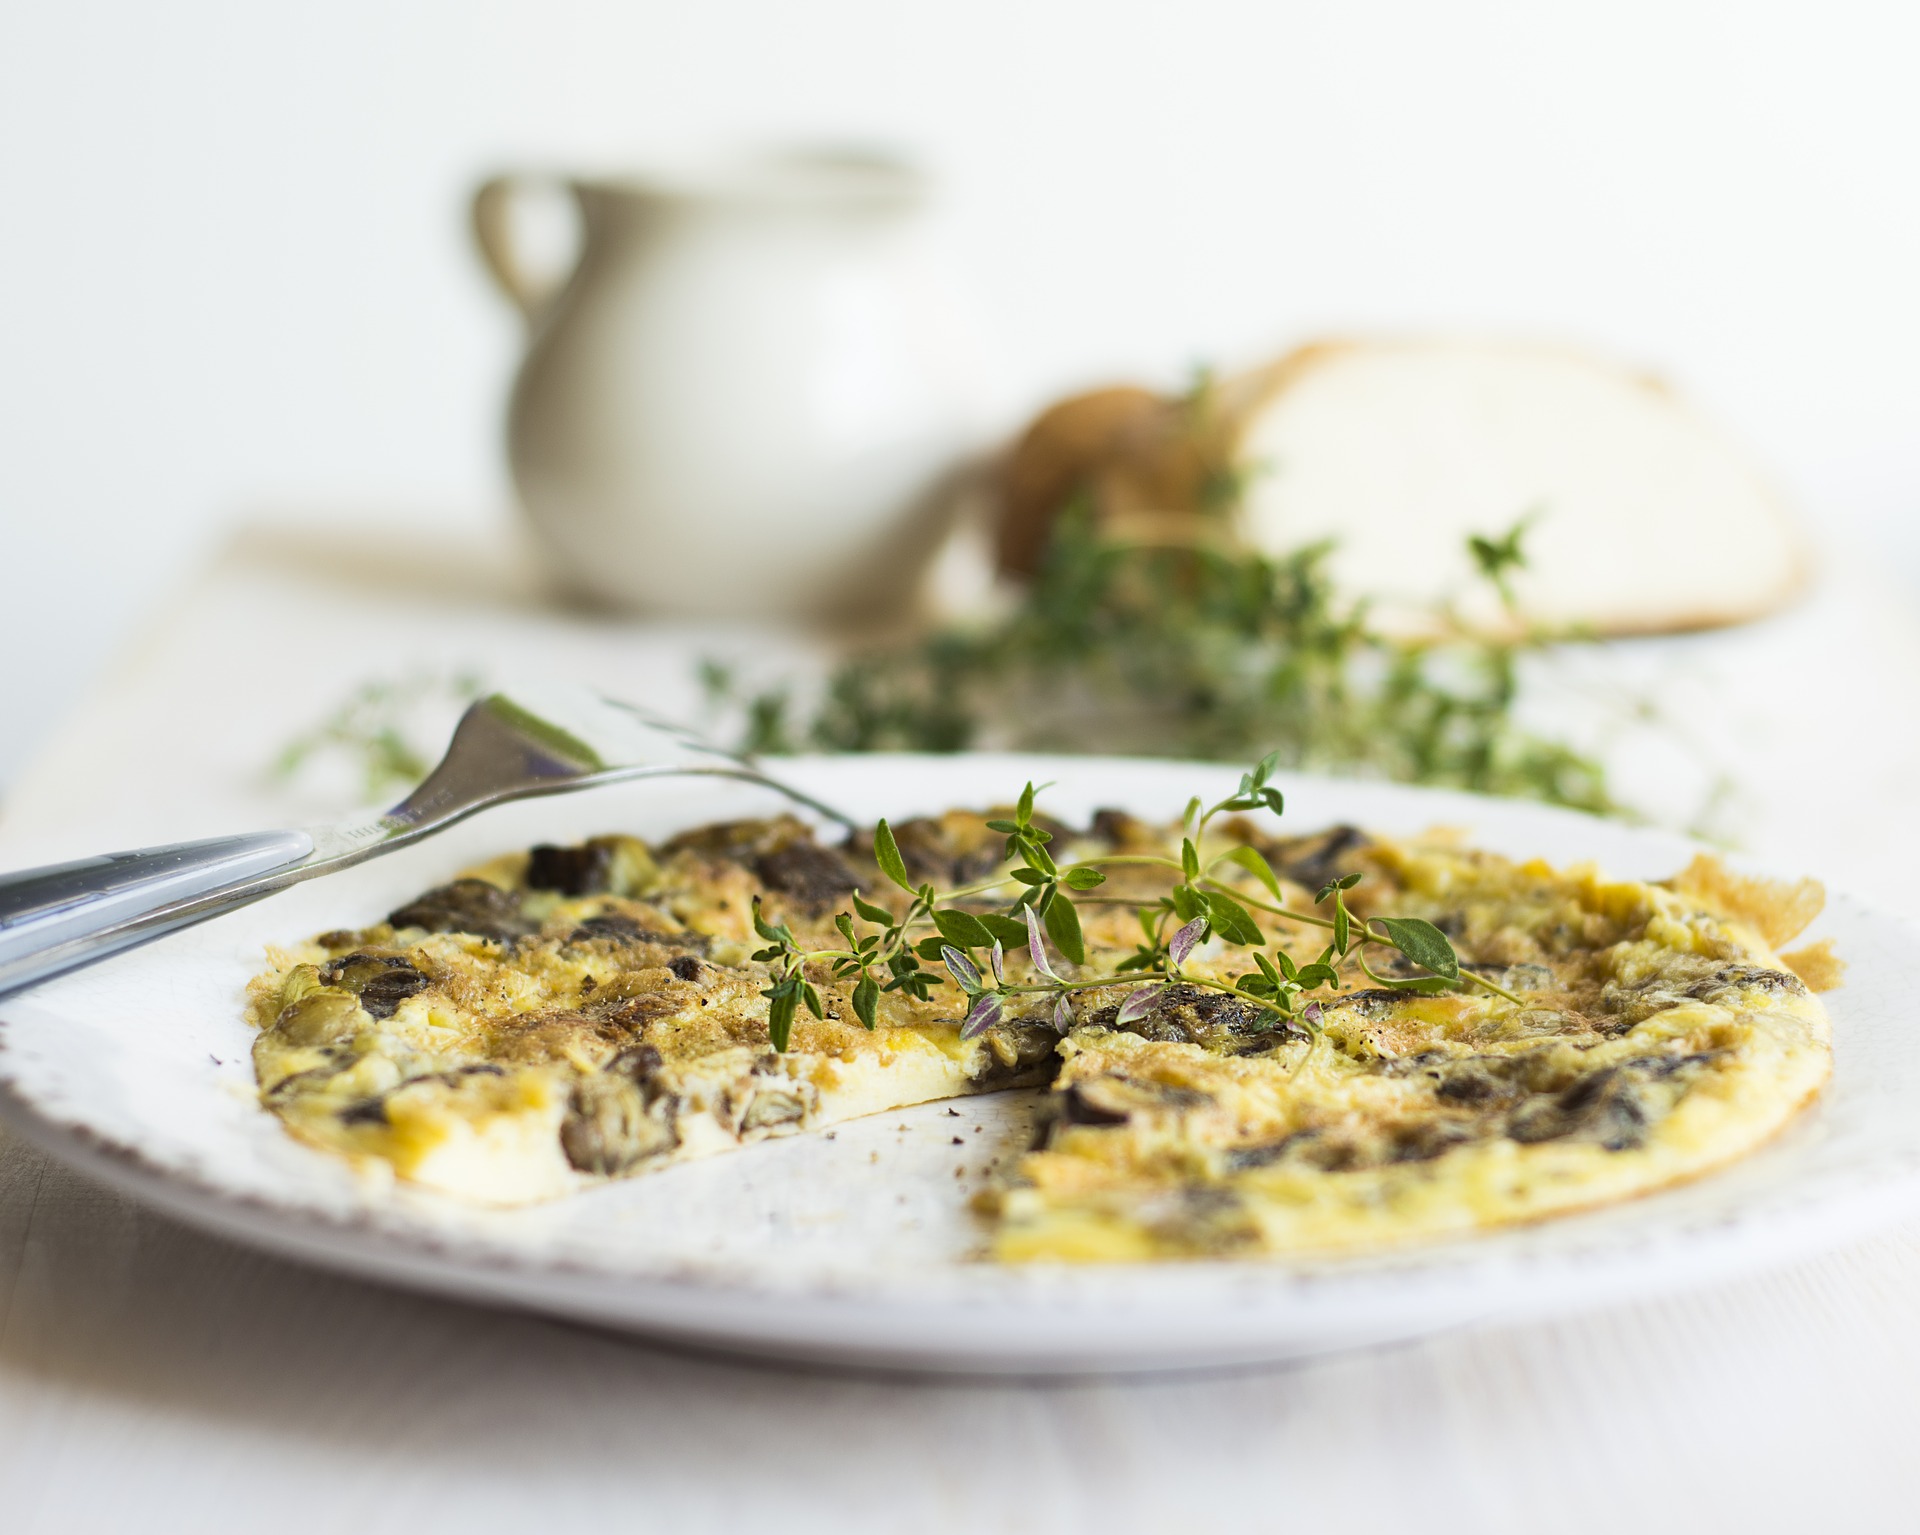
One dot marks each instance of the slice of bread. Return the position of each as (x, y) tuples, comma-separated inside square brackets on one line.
[(1642, 518)]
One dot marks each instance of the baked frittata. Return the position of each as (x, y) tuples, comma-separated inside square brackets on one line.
[(570, 1015)]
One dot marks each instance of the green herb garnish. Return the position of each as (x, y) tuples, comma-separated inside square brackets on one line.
[(1200, 649), (887, 953), (375, 729)]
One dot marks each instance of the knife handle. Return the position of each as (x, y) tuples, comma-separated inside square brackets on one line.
[(61, 906)]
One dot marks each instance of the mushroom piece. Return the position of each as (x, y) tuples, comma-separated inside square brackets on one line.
[(466, 906), (609, 1129), (381, 981), (582, 870)]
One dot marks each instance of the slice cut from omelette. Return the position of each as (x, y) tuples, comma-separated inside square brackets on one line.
[(571, 1015), (574, 1014)]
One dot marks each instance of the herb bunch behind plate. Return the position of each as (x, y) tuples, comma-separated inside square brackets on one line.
[(1194, 647)]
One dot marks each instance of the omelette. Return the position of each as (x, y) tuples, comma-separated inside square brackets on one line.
[(569, 1015)]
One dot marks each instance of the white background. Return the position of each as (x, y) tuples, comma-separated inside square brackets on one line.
[(235, 281)]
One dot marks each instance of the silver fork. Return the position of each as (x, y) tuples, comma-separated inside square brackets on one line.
[(534, 740)]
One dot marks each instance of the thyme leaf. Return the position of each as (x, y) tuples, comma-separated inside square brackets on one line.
[(1423, 943)]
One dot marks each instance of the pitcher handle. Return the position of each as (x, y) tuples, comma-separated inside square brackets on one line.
[(493, 215)]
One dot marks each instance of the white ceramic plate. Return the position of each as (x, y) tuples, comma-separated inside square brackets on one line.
[(859, 1249)]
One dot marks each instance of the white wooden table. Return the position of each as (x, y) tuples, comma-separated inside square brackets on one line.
[(152, 1378)]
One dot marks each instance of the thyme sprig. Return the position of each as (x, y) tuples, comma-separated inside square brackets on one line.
[(887, 952), (1202, 648), (382, 728)]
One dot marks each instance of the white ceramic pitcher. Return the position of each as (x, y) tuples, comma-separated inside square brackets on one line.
[(744, 399)]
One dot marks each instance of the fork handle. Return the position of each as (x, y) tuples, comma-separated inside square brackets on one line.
[(61, 906)]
